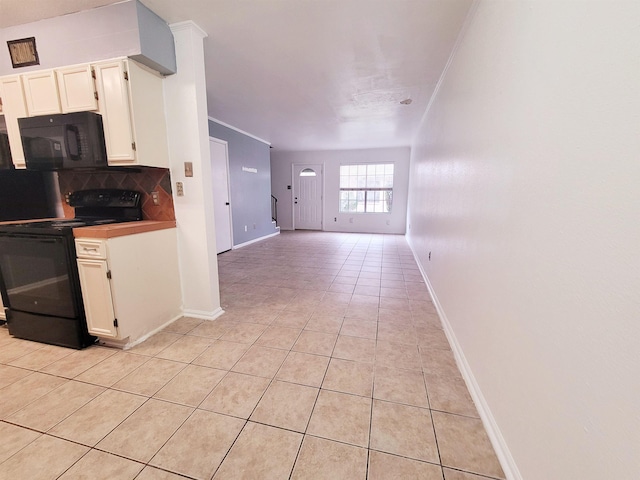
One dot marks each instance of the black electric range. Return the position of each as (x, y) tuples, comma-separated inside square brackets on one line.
[(39, 279)]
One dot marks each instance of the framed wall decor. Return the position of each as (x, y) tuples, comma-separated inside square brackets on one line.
[(23, 52)]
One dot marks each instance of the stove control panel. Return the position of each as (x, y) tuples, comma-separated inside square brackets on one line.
[(104, 198)]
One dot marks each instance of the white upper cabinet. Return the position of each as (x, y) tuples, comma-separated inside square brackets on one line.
[(77, 89), (41, 93), (130, 99), (113, 104), (128, 95), (13, 107)]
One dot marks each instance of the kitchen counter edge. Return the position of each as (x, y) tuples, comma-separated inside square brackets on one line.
[(121, 229)]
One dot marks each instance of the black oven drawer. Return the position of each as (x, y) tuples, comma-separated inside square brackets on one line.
[(65, 332)]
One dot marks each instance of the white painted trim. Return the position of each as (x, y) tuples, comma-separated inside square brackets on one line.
[(226, 147), (188, 25), (235, 247), (202, 314), (493, 431), (111, 342), (220, 122)]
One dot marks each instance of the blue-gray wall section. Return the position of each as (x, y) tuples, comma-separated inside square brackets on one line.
[(250, 192)]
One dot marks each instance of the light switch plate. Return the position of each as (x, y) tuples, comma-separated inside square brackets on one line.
[(188, 169)]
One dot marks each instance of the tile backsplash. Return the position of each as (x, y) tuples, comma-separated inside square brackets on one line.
[(142, 179)]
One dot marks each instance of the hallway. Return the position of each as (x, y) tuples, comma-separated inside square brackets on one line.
[(328, 363)]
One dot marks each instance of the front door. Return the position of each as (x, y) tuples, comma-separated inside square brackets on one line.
[(307, 197), (221, 197)]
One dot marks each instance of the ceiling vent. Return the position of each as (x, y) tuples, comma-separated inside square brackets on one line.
[(23, 52)]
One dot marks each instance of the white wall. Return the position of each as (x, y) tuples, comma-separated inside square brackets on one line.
[(525, 187), (394, 222)]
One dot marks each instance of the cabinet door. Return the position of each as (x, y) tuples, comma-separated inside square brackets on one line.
[(41, 93), (77, 89), (13, 107), (96, 294), (113, 103), (148, 116)]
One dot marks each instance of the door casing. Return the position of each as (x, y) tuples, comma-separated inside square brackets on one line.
[(221, 194)]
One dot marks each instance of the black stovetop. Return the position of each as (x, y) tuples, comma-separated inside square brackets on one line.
[(64, 223), (92, 207)]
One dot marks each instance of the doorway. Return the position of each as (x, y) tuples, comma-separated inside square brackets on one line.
[(307, 197), (221, 195)]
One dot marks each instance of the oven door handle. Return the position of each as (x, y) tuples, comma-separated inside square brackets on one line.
[(38, 238)]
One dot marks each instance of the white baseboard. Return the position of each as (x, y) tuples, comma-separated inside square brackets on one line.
[(126, 344), (202, 314), (235, 247), (493, 431)]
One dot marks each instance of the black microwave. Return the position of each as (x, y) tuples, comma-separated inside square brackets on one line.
[(63, 141)]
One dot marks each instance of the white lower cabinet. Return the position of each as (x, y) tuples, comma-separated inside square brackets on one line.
[(97, 297), (130, 284)]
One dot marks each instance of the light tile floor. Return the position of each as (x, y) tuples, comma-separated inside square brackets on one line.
[(330, 362)]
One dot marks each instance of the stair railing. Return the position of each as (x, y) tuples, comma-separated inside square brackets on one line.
[(274, 209)]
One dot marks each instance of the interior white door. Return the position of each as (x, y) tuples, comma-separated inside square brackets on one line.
[(307, 197), (221, 196)]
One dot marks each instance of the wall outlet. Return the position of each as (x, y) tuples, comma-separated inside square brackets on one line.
[(335, 219), (245, 228), (179, 189), (156, 198)]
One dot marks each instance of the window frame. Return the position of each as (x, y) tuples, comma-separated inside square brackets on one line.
[(365, 189)]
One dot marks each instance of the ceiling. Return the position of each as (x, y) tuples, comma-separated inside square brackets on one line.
[(308, 74)]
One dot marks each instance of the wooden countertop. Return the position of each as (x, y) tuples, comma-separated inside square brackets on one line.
[(120, 229)]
